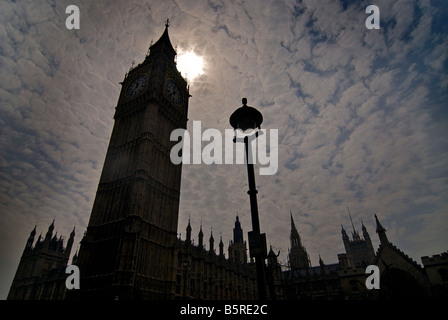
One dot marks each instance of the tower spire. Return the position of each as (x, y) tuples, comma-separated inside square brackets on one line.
[(298, 257), (292, 220), (355, 233), (201, 237), (221, 247), (237, 231), (30, 241), (163, 45), (212, 241), (70, 241), (50, 231), (351, 220), (294, 237), (188, 239), (381, 231)]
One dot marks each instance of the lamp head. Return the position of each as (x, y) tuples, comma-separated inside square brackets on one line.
[(246, 117)]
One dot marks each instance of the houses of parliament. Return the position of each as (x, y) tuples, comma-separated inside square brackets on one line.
[(131, 249)]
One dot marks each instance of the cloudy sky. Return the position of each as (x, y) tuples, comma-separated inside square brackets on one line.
[(361, 116)]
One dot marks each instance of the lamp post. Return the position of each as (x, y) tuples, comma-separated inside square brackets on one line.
[(245, 118)]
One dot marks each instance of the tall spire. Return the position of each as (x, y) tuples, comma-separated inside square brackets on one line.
[(294, 237), (33, 232), (188, 240), (211, 241), (163, 45), (30, 241), (272, 257), (365, 233), (72, 234), (201, 237), (237, 231), (75, 257), (292, 220), (368, 240), (221, 247), (70, 241), (50, 231), (298, 257), (355, 233), (381, 231)]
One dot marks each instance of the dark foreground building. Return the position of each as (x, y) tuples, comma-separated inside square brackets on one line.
[(202, 273), (130, 250), (41, 271)]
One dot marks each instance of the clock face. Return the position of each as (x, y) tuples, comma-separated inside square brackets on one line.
[(137, 85), (173, 92)]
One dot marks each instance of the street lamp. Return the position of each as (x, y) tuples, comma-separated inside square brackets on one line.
[(246, 118)]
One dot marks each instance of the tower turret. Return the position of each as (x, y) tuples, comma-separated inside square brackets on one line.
[(30, 240), (49, 233), (298, 257), (201, 238), (237, 231), (188, 240), (359, 251), (381, 232), (221, 248), (237, 248), (70, 241), (211, 242), (272, 258), (367, 239), (322, 266)]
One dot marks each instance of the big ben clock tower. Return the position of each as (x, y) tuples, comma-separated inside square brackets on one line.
[(128, 249)]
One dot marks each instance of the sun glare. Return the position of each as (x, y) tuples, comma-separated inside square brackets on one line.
[(190, 65)]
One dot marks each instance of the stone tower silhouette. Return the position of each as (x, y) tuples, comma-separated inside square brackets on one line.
[(298, 257), (41, 271), (129, 246)]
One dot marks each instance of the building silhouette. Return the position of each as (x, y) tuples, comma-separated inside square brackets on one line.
[(204, 274), (359, 251), (130, 250), (207, 275), (238, 247), (298, 257), (41, 271), (400, 276)]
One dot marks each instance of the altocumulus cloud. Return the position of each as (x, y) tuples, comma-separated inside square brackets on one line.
[(361, 115)]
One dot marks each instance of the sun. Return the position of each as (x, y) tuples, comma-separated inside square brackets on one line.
[(190, 65)]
